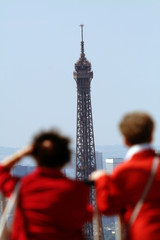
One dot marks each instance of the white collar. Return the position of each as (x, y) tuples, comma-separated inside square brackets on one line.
[(135, 149)]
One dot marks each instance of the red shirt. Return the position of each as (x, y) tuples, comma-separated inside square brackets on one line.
[(50, 205), (119, 193)]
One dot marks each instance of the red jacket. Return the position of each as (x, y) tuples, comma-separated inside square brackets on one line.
[(119, 192), (50, 206)]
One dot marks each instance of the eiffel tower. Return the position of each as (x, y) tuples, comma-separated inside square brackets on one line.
[(85, 147)]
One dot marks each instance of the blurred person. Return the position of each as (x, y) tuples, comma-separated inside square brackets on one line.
[(50, 205), (119, 193)]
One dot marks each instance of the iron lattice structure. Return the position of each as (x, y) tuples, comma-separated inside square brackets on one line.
[(85, 147)]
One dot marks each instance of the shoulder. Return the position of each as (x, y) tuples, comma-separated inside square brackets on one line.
[(138, 162)]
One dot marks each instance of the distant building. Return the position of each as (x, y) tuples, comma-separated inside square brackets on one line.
[(117, 161), (99, 160), (111, 163)]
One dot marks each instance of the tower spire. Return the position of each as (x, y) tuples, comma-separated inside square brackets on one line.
[(82, 42), (83, 64)]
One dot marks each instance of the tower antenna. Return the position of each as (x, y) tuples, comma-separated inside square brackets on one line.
[(82, 42), (82, 32)]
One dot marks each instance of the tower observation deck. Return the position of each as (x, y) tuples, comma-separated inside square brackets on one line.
[(85, 147)]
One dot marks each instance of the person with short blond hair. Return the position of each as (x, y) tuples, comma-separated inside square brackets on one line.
[(133, 181)]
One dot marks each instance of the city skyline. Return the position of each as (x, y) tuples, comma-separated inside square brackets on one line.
[(41, 42)]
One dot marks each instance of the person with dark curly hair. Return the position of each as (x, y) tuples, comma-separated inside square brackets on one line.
[(50, 205)]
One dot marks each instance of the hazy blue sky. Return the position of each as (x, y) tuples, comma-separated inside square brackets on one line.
[(39, 45)]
